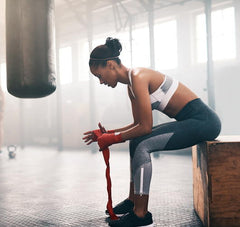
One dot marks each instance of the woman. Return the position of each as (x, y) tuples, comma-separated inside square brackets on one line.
[(148, 90)]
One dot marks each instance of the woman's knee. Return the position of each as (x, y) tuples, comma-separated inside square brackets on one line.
[(133, 145), (211, 128), (217, 126), (140, 156)]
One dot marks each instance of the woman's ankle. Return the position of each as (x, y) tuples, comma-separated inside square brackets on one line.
[(130, 198), (140, 213)]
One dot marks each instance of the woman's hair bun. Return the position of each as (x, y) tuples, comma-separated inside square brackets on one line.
[(114, 45)]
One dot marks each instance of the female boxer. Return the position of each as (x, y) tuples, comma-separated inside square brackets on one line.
[(149, 89)]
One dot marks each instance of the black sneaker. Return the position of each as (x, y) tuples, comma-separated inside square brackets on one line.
[(123, 207), (132, 220)]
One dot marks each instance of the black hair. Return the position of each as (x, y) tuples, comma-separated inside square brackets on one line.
[(102, 53)]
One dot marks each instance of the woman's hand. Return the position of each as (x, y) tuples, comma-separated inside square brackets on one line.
[(92, 136)]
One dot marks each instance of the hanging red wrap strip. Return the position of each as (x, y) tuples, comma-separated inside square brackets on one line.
[(106, 156)]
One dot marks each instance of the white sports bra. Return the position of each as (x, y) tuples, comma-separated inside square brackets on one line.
[(160, 97)]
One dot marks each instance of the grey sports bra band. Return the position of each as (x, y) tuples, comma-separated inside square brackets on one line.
[(166, 84), (160, 97)]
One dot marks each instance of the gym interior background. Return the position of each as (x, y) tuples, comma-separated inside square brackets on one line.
[(168, 35), (45, 187)]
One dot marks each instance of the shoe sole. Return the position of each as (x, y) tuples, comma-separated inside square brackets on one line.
[(116, 214), (151, 225)]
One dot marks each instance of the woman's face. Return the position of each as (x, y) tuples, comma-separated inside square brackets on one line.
[(106, 75)]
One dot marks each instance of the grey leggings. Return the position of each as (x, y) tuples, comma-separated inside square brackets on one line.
[(195, 123)]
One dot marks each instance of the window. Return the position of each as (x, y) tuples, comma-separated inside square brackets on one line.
[(83, 60), (166, 54), (125, 55), (65, 65), (140, 45), (223, 35), (201, 38)]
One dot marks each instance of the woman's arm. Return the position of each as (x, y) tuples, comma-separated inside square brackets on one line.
[(142, 114), (135, 118), (141, 109), (124, 128)]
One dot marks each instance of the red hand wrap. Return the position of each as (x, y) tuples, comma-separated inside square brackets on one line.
[(110, 131), (108, 139), (106, 156)]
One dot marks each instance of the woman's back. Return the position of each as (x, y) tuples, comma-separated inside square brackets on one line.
[(181, 94)]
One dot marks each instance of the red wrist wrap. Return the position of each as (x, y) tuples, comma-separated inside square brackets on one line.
[(106, 156), (108, 139), (110, 131)]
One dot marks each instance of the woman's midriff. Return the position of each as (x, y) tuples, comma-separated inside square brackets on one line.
[(181, 97)]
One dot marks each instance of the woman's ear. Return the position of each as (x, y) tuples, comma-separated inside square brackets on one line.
[(110, 64)]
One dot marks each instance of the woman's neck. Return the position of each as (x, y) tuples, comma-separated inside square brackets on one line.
[(123, 74)]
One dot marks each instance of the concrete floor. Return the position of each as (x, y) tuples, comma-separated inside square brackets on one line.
[(44, 187)]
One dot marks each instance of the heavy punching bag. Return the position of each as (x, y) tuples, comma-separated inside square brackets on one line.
[(30, 48)]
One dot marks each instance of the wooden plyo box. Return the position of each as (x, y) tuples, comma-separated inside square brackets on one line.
[(216, 181)]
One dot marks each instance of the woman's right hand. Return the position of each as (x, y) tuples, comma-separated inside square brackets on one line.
[(91, 136)]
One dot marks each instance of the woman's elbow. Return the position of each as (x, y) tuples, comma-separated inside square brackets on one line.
[(144, 128), (147, 129)]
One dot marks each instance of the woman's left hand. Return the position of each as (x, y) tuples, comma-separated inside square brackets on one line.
[(92, 136)]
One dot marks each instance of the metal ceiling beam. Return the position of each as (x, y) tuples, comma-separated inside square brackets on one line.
[(169, 1), (144, 4), (117, 16), (76, 13), (161, 6), (116, 4), (123, 7)]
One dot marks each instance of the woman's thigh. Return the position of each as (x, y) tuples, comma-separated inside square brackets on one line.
[(170, 136)]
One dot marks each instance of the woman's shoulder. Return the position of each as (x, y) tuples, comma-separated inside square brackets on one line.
[(141, 78), (140, 73), (146, 74)]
